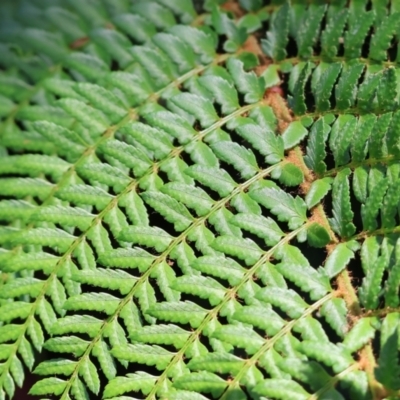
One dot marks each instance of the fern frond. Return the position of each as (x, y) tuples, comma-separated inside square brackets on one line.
[(170, 228)]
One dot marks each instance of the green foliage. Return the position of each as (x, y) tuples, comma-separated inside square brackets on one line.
[(170, 228)]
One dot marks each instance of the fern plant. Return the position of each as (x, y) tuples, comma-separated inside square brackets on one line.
[(200, 200)]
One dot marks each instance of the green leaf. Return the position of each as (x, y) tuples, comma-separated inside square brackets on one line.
[(266, 142), (375, 147), (346, 89), (67, 344), (161, 334), (335, 311), (305, 277), (134, 208), (217, 362), (325, 85), (297, 103), (330, 36), (143, 354), (63, 138), (281, 204), (388, 369), (288, 174), (78, 389), (46, 43), (173, 211), (158, 15), (54, 386), (245, 249), (106, 278), (184, 312), (104, 174), (128, 155), (265, 228), (318, 190), (360, 183), (201, 382), (360, 334), (201, 286), (281, 389), (342, 214), (200, 41), (103, 100), (114, 43), (102, 302), (264, 116), (85, 194), (371, 285), (338, 259), (201, 154), (287, 300), (361, 136), (250, 22), (173, 124), (58, 366), (223, 91), (17, 309), (123, 258), (224, 25), (89, 117), (135, 26), (90, 66), (155, 63), (22, 187), (102, 352), (247, 83), (147, 236), (317, 235), (216, 179), (392, 136), (221, 267), (34, 165), (353, 42), (192, 196), (261, 317), (21, 286), (243, 203), (77, 324), (67, 216), (200, 107), (293, 134), (10, 332), (275, 44), (89, 374), (370, 210), (382, 37), (139, 381), (241, 158), (340, 140), (14, 87), (390, 207), (135, 88), (329, 354), (240, 336), (151, 138), (182, 395), (308, 32), (178, 51), (387, 90), (366, 96), (17, 371)]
